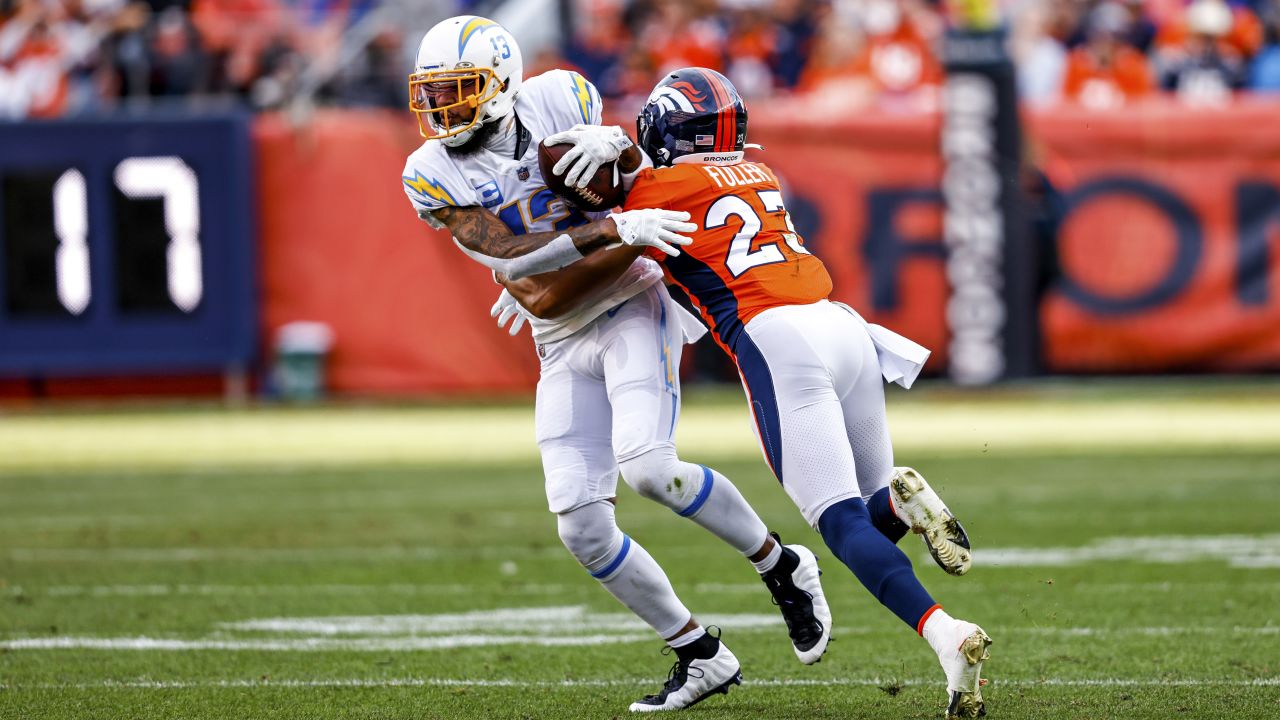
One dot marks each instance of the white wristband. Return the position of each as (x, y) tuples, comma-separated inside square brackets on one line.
[(554, 255)]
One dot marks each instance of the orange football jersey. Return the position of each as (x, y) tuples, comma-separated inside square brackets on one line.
[(747, 256)]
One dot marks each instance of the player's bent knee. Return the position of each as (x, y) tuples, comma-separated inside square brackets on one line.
[(591, 535), (659, 475)]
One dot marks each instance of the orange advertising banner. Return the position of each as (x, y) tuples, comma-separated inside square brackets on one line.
[(1167, 251), (1169, 240), (341, 245)]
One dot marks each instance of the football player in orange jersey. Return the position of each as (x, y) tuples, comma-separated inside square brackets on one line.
[(811, 368)]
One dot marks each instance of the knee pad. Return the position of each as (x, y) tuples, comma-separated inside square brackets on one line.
[(660, 476), (591, 535)]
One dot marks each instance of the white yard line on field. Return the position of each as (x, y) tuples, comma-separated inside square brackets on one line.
[(308, 590), (509, 683), (517, 588), (276, 554), (1059, 585), (557, 620), (446, 642), (1242, 551), (406, 644)]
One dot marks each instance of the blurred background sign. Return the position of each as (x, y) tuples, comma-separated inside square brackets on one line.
[(127, 246), (990, 260)]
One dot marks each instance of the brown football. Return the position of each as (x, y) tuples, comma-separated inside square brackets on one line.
[(599, 194)]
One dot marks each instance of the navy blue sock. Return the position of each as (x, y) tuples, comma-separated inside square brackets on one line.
[(878, 563), (883, 518)]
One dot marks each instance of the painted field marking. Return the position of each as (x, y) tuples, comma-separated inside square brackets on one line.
[(1241, 551), (552, 626), (275, 554), (409, 644), (560, 620), (158, 590), (1062, 585), (447, 642), (97, 591), (624, 682)]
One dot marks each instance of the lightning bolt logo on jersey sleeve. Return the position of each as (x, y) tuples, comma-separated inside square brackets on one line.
[(560, 99), (433, 182), (587, 98)]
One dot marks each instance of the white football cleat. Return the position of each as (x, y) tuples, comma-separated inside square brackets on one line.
[(804, 606), (963, 667), (920, 507), (692, 682)]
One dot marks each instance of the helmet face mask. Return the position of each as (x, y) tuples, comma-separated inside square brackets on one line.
[(447, 102), (467, 73)]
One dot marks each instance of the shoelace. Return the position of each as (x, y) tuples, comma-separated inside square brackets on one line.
[(677, 676), (785, 594)]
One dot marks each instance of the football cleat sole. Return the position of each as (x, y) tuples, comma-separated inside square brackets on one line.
[(968, 703), (703, 678), (943, 535), (721, 689), (807, 577)]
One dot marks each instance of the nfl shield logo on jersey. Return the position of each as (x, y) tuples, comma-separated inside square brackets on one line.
[(522, 173)]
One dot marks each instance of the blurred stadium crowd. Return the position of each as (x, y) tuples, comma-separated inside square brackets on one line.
[(66, 57)]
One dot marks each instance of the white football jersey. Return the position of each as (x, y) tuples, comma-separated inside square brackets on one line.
[(513, 189)]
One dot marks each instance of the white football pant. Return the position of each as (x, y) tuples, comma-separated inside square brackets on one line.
[(816, 392)]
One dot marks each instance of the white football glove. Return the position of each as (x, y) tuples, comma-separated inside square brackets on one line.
[(506, 308), (593, 146), (654, 228)]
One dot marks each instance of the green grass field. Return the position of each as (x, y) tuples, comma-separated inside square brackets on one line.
[(398, 562)]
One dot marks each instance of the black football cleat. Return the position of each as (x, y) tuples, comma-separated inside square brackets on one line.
[(798, 595)]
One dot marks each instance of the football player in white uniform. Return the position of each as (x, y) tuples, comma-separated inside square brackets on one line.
[(608, 396)]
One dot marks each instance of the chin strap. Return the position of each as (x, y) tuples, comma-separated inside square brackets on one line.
[(523, 138)]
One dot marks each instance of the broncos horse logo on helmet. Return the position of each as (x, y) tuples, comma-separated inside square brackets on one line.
[(693, 115)]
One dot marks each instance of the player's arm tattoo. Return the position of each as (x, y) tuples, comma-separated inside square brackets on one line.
[(482, 232), (553, 294)]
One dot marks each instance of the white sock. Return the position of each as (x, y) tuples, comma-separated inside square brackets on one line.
[(723, 510), (687, 638), (940, 632), (698, 493), (770, 561), (641, 585)]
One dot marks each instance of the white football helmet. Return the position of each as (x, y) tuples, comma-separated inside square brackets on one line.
[(464, 62)]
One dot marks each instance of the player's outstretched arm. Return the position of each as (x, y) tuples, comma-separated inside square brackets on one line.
[(551, 295), (481, 232), (488, 241)]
